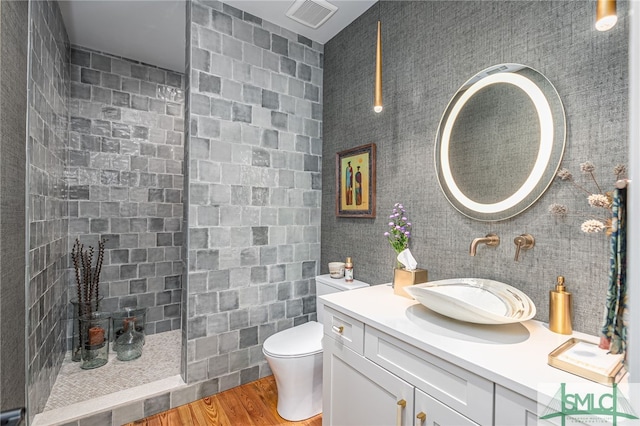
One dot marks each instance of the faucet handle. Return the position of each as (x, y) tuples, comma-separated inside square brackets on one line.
[(524, 242)]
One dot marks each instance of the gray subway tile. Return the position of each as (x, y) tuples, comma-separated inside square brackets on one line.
[(241, 112), (103, 418), (251, 18), (111, 81), (279, 45), (228, 300), (262, 38), (200, 14), (140, 72), (279, 120), (304, 40), (200, 59), (230, 10), (80, 91), (80, 57), (157, 75), (90, 76), (120, 99), (249, 374), (221, 22), (288, 66), (157, 404), (304, 72), (270, 99), (100, 62), (209, 83)]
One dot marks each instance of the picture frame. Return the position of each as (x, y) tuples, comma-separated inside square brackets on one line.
[(356, 182)]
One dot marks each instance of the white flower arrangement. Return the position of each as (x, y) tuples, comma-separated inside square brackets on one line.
[(598, 200)]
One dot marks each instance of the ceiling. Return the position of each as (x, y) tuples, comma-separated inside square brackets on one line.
[(153, 31)]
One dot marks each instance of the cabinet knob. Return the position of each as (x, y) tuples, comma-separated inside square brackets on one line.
[(401, 404), (337, 328), (421, 416)]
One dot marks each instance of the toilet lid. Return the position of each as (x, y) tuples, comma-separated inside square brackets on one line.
[(304, 339)]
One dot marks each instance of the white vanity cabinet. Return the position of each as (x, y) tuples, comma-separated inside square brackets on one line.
[(380, 349), (386, 383)]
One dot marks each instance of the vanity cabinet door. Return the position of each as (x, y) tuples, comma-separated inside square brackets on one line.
[(431, 412), (513, 409), (358, 392), (463, 391)]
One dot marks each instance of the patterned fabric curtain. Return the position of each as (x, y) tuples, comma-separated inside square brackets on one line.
[(614, 330)]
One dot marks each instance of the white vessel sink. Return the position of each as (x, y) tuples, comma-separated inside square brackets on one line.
[(475, 300)]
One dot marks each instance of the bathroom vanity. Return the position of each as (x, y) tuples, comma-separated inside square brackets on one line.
[(390, 361)]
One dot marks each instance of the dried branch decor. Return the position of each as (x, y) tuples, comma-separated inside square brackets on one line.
[(87, 276), (87, 289)]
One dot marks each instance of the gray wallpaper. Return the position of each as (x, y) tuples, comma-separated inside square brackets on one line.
[(47, 151), (13, 101), (125, 180), (255, 114), (429, 50)]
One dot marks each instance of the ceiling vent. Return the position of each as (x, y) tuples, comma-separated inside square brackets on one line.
[(311, 13)]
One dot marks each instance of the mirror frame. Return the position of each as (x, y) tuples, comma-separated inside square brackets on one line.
[(552, 122)]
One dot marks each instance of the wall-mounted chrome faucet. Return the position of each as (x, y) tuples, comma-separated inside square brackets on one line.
[(523, 242), (491, 240)]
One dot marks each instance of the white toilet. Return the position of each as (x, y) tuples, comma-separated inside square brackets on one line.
[(295, 358)]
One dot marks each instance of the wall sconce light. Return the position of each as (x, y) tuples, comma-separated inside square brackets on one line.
[(606, 16), (377, 95)]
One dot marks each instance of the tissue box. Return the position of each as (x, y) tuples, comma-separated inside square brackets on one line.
[(403, 278)]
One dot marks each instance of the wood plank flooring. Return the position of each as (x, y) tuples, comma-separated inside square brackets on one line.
[(250, 404)]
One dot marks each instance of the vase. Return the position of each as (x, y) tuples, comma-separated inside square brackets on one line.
[(94, 339), (129, 343), (118, 319), (80, 309)]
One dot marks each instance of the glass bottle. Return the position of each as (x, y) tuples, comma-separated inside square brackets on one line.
[(117, 325), (80, 309), (129, 343), (348, 270), (94, 339)]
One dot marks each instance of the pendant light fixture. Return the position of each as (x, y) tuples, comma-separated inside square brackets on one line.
[(606, 16), (377, 95)]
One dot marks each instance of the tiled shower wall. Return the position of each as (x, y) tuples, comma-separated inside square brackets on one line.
[(125, 180), (255, 114), (47, 206)]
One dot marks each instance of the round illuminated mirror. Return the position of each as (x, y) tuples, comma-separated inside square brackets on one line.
[(500, 142)]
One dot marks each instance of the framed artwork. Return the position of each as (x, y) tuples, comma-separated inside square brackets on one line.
[(356, 182)]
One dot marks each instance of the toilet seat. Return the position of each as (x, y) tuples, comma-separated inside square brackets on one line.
[(295, 342)]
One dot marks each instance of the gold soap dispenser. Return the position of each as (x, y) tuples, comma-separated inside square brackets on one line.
[(560, 310)]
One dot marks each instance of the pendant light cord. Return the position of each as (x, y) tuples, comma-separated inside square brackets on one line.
[(377, 101)]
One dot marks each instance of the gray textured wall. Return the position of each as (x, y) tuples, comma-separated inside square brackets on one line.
[(430, 48), (13, 101), (47, 152), (254, 152), (125, 180)]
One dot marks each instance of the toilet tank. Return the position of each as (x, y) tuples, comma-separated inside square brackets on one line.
[(327, 285)]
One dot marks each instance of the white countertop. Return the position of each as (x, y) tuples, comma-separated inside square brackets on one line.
[(512, 355)]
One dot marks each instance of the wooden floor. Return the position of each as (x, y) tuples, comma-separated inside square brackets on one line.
[(250, 404)]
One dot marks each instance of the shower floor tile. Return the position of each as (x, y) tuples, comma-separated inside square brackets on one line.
[(160, 359)]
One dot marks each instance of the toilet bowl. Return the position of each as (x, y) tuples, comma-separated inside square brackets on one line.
[(295, 358)]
